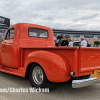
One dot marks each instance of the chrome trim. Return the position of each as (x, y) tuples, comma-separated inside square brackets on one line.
[(78, 47), (85, 82), (37, 75), (71, 74), (50, 46), (9, 42)]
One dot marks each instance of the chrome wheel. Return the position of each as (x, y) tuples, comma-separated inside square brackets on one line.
[(37, 75)]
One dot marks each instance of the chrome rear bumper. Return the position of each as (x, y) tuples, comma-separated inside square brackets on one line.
[(85, 82)]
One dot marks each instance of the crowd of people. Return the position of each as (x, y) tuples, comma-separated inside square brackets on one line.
[(64, 42)]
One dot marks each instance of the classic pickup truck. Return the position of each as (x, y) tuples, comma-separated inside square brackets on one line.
[(29, 50)]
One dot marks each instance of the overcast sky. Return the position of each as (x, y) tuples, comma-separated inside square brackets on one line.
[(62, 14)]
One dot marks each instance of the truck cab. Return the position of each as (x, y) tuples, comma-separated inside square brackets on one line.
[(23, 35)]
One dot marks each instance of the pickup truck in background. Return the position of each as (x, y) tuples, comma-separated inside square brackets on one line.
[(29, 50)]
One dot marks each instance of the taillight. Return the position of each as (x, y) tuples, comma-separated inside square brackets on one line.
[(73, 74)]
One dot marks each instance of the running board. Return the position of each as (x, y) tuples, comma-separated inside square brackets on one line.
[(17, 72)]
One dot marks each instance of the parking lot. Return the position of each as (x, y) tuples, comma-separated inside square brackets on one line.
[(63, 91)]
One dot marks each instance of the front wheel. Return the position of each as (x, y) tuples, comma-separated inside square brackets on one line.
[(38, 77)]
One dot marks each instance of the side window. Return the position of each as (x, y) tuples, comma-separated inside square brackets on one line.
[(10, 34), (34, 32)]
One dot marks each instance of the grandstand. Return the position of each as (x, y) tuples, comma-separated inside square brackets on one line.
[(4, 24)]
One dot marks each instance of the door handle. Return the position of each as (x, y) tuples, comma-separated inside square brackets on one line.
[(9, 42)]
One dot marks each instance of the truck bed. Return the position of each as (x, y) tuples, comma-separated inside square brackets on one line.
[(83, 60)]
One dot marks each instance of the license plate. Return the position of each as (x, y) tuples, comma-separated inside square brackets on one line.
[(97, 73)]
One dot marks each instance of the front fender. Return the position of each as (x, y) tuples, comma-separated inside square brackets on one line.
[(55, 66)]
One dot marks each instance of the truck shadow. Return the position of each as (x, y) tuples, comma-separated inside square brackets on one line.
[(66, 90)]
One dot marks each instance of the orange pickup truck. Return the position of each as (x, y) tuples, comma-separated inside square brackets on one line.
[(29, 50)]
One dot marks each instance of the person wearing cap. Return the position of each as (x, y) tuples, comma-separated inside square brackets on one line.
[(64, 41), (83, 42), (70, 44)]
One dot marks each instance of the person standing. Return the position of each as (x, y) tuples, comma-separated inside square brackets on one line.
[(88, 45), (56, 43), (64, 41), (70, 44), (83, 42)]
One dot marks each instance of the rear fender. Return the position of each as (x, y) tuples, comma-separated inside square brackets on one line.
[(56, 67)]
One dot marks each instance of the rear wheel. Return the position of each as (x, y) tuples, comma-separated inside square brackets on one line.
[(38, 77)]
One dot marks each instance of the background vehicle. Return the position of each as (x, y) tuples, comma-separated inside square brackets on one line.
[(76, 43)]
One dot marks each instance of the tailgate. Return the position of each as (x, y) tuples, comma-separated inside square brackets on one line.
[(89, 59)]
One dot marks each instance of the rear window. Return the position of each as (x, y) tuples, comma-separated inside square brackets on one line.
[(34, 32)]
